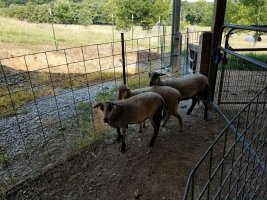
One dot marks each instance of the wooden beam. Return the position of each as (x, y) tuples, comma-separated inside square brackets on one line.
[(176, 34), (218, 21)]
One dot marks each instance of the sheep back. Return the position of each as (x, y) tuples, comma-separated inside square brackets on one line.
[(170, 95), (135, 109), (188, 85)]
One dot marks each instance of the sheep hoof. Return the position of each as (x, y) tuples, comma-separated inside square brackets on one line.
[(188, 113), (118, 139), (123, 147), (151, 143)]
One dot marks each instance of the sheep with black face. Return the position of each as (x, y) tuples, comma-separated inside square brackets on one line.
[(171, 98), (120, 113), (195, 87)]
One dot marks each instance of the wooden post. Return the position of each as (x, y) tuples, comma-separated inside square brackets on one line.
[(218, 21), (176, 33), (205, 52)]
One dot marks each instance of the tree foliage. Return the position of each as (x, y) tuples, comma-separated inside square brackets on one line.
[(145, 13)]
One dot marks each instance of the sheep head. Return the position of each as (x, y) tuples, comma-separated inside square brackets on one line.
[(123, 92), (155, 78), (107, 108)]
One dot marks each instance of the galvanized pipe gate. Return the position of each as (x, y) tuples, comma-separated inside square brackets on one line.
[(235, 165)]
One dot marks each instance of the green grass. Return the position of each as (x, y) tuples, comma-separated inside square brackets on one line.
[(22, 33), (13, 102), (239, 64), (29, 34), (89, 130), (4, 158)]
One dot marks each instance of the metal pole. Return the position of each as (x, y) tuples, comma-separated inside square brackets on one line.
[(132, 30), (123, 58), (112, 16), (52, 23), (159, 34), (187, 42)]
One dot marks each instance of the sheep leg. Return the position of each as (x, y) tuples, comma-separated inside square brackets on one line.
[(166, 119), (180, 121), (119, 135), (194, 101), (141, 126), (123, 145), (205, 102), (156, 124)]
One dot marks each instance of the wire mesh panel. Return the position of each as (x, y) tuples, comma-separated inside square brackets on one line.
[(45, 112), (235, 165), (46, 100), (237, 83)]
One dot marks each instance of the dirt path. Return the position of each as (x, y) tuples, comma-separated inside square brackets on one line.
[(140, 173)]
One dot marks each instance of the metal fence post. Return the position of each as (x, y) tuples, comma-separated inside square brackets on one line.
[(187, 42), (52, 23), (123, 58)]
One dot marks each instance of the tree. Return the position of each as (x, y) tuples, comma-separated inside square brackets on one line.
[(144, 12), (246, 12), (198, 12), (63, 12), (83, 13)]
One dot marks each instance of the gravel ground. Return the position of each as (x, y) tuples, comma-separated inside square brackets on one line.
[(21, 134)]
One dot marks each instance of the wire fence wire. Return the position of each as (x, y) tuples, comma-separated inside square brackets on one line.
[(235, 165), (45, 100), (233, 168), (238, 81)]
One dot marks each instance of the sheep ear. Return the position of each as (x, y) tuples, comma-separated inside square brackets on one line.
[(162, 74), (149, 74), (97, 105)]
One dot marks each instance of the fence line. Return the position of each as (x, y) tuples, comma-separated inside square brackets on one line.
[(235, 165), (46, 98), (231, 168)]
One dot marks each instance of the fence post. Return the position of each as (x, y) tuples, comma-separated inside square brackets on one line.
[(187, 42), (52, 23), (205, 52), (112, 18), (123, 58)]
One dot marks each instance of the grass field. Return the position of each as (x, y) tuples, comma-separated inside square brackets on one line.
[(20, 36), (29, 34)]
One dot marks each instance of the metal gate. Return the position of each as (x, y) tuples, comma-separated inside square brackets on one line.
[(235, 165)]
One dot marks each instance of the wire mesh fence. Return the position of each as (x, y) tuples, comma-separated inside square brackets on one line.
[(234, 167), (45, 109), (238, 81), (45, 99)]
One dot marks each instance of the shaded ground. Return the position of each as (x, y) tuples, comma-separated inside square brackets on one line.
[(142, 172)]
